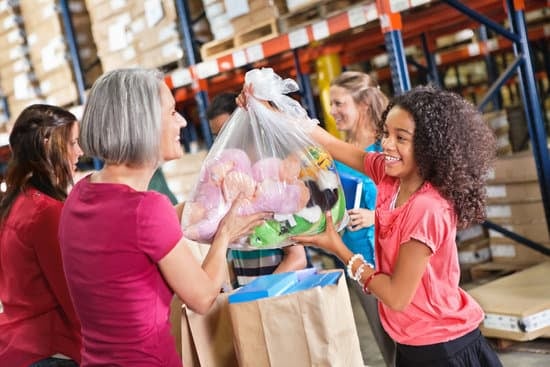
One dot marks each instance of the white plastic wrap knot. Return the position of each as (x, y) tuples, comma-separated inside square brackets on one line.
[(269, 86)]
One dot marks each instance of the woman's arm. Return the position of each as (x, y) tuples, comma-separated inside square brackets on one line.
[(197, 286)]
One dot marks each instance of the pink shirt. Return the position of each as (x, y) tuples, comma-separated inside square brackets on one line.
[(38, 318), (440, 309), (111, 240)]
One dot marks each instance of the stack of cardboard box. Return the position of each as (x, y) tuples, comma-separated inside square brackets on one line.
[(473, 249), (131, 33), (17, 78), (111, 29), (49, 51), (515, 203)]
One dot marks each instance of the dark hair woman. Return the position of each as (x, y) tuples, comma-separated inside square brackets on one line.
[(39, 325)]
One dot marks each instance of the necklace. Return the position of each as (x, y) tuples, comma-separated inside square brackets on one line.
[(394, 200)]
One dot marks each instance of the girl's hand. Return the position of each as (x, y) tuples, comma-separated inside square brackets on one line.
[(242, 98), (246, 94), (360, 218), (329, 240), (234, 226)]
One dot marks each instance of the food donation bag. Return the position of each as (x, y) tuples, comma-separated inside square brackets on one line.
[(264, 154)]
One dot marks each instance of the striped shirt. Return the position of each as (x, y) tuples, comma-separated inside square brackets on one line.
[(248, 265)]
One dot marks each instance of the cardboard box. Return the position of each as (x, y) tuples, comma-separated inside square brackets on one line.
[(513, 192), (65, 97), (516, 213), (49, 56), (15, 37), (21, 65), (113, 34), (159, 56), (484, 272), (474, 253), (56, 80), (155, 11), (10, 21), (252, 19), (470, 254), (517, 306), (505, 250), (473, 233), (115, 60), (519, 167), (535, 231), (103, 10), (13, 54)]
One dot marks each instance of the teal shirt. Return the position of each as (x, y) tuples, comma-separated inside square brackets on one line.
[(362, 241)]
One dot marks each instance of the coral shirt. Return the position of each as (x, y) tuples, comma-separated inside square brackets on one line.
[(38, 319), (112, 238), (440, 310)]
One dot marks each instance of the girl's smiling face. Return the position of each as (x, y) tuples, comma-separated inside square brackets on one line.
[(398, 145)]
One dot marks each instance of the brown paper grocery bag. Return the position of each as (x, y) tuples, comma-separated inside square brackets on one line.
[(208, 339), (314, 327)]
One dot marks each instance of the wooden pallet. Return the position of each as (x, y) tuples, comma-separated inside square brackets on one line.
[(539, 345), (313, 11), (484, 272), (252, 35), (217, 48), (258, 33)]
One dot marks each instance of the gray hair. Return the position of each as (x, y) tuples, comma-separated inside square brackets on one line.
[(121, 123)]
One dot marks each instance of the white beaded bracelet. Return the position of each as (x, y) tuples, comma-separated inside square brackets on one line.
[(359, 272), (350, 264)]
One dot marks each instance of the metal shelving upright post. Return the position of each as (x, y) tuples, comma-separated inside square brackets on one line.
[(201, 96), (390, 22), (73, 49)]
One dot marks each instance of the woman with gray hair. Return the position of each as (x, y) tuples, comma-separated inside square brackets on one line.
[(122, 246)]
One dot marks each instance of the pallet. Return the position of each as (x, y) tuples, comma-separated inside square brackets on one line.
[(484, 272), (252, 35), (539, 345), (258, 33), (313, 11), (217, 48)]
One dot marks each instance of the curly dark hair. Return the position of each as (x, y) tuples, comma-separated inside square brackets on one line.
[(453, 147)]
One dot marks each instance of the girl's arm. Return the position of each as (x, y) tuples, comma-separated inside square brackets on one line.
[(395, 290), (340, 150)]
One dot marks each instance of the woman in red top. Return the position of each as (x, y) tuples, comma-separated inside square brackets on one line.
[(38, 326)]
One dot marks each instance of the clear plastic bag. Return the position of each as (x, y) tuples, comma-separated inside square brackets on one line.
[(265, 153)]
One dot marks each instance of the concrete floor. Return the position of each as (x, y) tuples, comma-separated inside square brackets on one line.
[(520, 354)]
